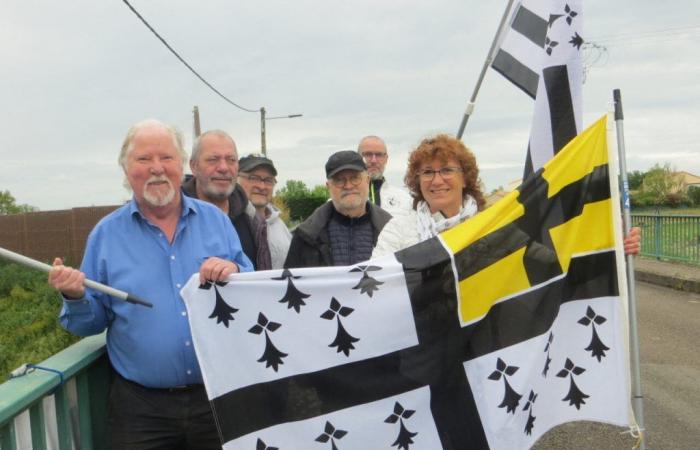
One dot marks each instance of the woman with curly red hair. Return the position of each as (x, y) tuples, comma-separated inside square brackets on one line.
[(443, 179)]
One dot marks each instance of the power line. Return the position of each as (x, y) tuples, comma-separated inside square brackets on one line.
[(644, 33), (664, 34), (185, 62)]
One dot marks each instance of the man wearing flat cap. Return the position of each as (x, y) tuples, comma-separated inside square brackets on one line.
[(343, 231), (256, 176)]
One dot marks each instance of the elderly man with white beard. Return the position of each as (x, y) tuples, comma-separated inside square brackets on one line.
[(150, 247), (343, 231), (214, 164)]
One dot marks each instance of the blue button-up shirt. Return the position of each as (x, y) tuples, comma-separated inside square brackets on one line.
[(151, 346)]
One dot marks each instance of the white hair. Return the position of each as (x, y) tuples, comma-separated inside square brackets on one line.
[(128, 144)]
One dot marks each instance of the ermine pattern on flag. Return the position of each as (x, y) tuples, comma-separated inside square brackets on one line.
[(485, 337), (540, 54)]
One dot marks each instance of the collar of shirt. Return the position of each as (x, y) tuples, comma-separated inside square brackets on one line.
[(151, 346)]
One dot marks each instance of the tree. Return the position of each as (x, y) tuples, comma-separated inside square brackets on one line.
[(300, 200), (634, 179), (662, 186), (694, 195), (8, 205), (320, 191), (293, 188)]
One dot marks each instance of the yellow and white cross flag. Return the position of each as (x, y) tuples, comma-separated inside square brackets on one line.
[(484, 337)]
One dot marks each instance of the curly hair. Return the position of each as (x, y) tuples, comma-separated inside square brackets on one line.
[(444, 147)]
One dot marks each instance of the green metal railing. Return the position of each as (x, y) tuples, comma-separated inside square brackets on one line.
[(676, 238), (64, 414)]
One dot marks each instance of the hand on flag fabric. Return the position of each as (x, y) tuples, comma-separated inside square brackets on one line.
[(67, 280), (216, 269), (484, 337), (633, 241)]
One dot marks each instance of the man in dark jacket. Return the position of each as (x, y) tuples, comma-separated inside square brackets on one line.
[(214, 164), (343, 231)]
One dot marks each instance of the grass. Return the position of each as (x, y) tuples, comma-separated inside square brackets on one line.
[(668, 211), (29, 310), (670, 237)]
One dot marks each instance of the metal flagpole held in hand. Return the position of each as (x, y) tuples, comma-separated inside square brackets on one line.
[(34, 264), (487, 64), (637, 398)]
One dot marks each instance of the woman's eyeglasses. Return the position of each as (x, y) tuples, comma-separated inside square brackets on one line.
[(446, 173)]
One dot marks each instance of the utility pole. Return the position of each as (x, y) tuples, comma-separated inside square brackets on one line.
[(197, 128), (263, 119), (263, 144)]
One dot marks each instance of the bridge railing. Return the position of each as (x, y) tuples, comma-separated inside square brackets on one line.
[(64, 407), (676, 238)]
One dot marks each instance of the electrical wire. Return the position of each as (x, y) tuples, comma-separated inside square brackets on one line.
[(661, 35), (185, 62)]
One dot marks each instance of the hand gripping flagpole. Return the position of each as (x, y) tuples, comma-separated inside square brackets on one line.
[(637, 398), (34, 264), (487, 64)]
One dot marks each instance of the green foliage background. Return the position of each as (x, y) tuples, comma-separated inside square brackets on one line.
[(659, 187), (300, 200), (29, 328), (8, 204)]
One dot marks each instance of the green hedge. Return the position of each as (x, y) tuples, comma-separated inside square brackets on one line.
[(29, 310), (300, 208), (300, 200)]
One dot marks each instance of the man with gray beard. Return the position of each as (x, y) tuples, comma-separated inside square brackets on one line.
[(343, 231), (214, 165), (150, 247)]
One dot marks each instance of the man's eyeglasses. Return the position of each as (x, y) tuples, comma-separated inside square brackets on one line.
[(370, 155), (267, 181), (355, 180), (446, 173)]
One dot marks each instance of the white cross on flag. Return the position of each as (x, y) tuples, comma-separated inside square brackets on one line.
[(484, 337), (540, 54)]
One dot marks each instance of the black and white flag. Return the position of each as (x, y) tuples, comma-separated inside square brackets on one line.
[(540, 54), (484, 337)]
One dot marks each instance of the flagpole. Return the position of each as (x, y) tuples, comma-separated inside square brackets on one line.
[(487, 64), (34, 264), (637, 397)]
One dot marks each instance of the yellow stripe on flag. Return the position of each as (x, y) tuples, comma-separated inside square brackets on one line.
[(588, 150), (497, 216), (589, 232), (501, 279)]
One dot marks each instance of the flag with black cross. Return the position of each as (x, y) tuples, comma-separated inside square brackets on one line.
[(540, 52), (484, 337)]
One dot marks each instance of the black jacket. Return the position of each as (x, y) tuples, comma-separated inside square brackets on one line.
[(310, 245), (237, 203)]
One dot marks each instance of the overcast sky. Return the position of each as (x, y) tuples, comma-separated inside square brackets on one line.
[(76, 75)]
